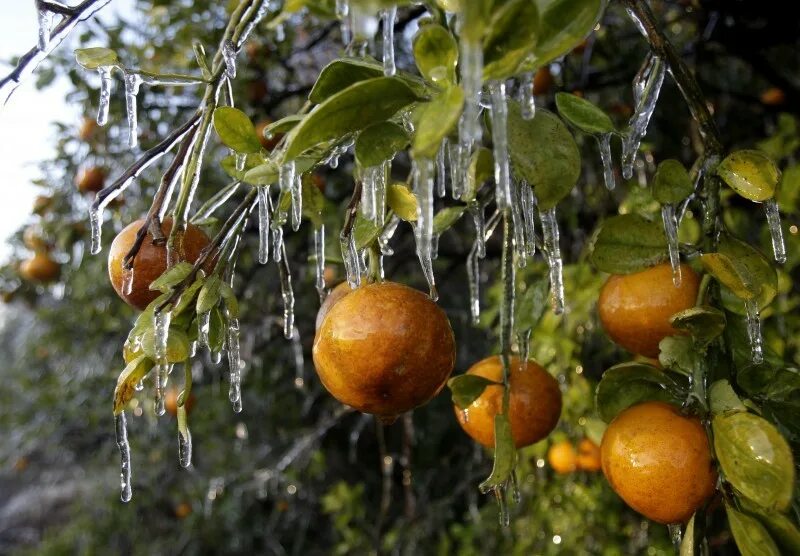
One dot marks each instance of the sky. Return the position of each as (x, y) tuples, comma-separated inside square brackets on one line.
[(26, 134)]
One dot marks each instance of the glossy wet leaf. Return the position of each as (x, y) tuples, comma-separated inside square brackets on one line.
[(236, 130), (342, 73), (481, 170), (530, 306), (251, 161), (434, 120), (750, 173), (313, 200), (379, 143), (755, 458), (511, 37), (630, 383), (544, 154), (724, 399), (177, 345), (353, 109), (671, 183), (679, 354), (446, 217), (365, 232), (742, 269), (187, 298), (127, 381), (171, 277), (402, 201), (209, 294), (505, 455), (752, 538), (583, 114), (782, 530), (283, 125), (436, 54), (628, 243), (216, 330), (704, 323), (263, 174), (93, 58), (465, 389), (229, 299), (563, 24)]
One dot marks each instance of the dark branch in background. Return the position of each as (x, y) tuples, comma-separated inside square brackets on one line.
[(29, 61)]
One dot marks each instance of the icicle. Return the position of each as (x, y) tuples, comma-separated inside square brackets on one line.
[(552, 250), (280, 33), (471, 65), (263, 224), (604, 142), (121, 431), (299, 363), (676, 536), (671, 231), (645, 105), (286, 176), (754, 330), (132, 82), (96, 223), (343, 13), (234, 364), (193, 349), (527, 98), (106, 84), (518, 224), (161, 322), (476, 210), (203, 327), (381, 181), (386, 236), (502, 165), (45, 18), (185, 448), (368, 179), (527, 201), (774, 223), (516, 496), (127, 280), (240, 161), (350, 258), (441, 169), (389, 16), (229, 57), (319, 260), (287, 293), (423, 228), (457, 176), (364, 25), (502, 506), (139, 386), (524, 344), (277, 241), (297, 202), (474, 280)]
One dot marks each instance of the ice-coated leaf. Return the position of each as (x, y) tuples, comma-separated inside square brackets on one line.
[(284, 125), (229, 298), (511, 37), (742, 269), (724, 399), (436, 54), (465, 389), (128, 379), (530, 306), (177, 345), (671, 183), (251, 161), (628, 243), (263, 174), (402, 201), (583, 114), (505, 455), (704, 323), (365, 232), (446, 217), (752, 538), (171, 277), (216, 330), (679, 354), (350, 110), (379, 143), (93, 58), (630, 383), (563, 24), (341, 74), (783, 531), (209, 294), (481, 170), (236, 130), (752, 174), (544, 154), (433, 121), (313, 200), (755, 458)]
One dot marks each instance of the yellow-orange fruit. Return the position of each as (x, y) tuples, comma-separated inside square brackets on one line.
[(384, 348), (542, 81), (562, 457), (87, 129), (329, 274), (588, 456), (183, 510), (150, 261), (332, 299), (33, 239), (40, 268), (273, 140), (773, 97), (90, 180), (42, 204), (171, 401), (635, 308), (658, 461), (534, 405)]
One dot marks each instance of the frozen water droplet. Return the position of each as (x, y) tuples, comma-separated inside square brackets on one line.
[(389, 16), (139, 386), (185, 448), (604, 142), (775, 230), (121, 431), (647, 87), (319, 260), (502, 506), (423, 228), (203, 327), (106, 84), (502, 165), (386, 236), (229, 57), (670, 219), (240, 160), (675, 535), (263, 224), (552, 250), (527, 98), (132, 83), (527, 201), (234, 361), (754, 330)]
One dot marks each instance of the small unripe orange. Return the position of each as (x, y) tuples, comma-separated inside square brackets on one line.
[(271, 142), (90, 179)]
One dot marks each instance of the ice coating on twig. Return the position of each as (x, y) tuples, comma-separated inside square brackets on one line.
[(319, 260), (297, 201), (106, 84), (457, 176), (423, 228), (229, 57), (670, 219), (279, 218), (527, 202), (527, 99), (389, 16), (343, 13), (352, 267), (287, 293), (263, 224), (646, 90), (471, 65), (121, 432), (45, 19), (474, 281), (161, 322), (203, 328), (387, 234), (185, 447), (753, 316), (132, 83), (234, 363), (441, 169), (775, 230), (502, 164), (552, 251), (518, 227), (479, 220), (604, 142), (502, 505)]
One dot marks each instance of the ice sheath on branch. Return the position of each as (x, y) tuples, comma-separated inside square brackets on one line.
[(646, 88)]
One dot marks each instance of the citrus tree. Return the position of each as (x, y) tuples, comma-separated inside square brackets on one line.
[(619, 312)]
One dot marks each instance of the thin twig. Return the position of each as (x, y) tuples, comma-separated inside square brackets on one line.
[(351, 212)]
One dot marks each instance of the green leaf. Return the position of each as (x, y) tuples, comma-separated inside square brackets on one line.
[(783, 531), (177, 345), (263, 174), (583, 114), (209, 294), (465, 389), (510, 39), (436, 54), (505, 455), (379, 143), (679, 354), (353, 109), (704, 323), (216, 330), (755, 458), (171, 277), (628, 243), (446, 217), (93, 58), (433, 121), (187, 298), (672, 183), (127, 381), (531, 305), (402, 201), (236, 130), (724, 399), (544, 154), (365, 232), (481, 170), (687, 542), (742, 269), (284, 125), (752, 174), (345, 72), (630, 383), (752, 538), (229, 165), (229, 298), (563, 24), (313, 200)]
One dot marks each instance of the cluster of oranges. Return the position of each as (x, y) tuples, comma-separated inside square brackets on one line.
[(564, 458)]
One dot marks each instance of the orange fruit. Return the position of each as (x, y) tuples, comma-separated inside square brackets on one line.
[(562, 457), (183, 510), (588, 455), (542, 81), (90, 180), (42, 204), (256, 91), (150, 261), (635, 308), (658, 461), (87, 129), (33, 240), (773, 97), (171, 401), (329, 274), (332, 299), (534, 404), (384, 348), (270, 143), (40, 268)]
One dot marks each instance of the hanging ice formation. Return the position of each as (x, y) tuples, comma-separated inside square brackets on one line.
[(319, 260), (646, 88), (552, 251), (299, 362), (132, 83), (184, 447), (423, 228), (478, 219), (485, 231), (527, 201), (343, 13), (263, 224), (775, 231), (502, 165), (352, 266), (106, 84), (287, 293), (527, 99), (203, 328), (291, 182), (161, 322), (234, 363), (441, 169), (389, 17), (518, 227), (121, 431), (753, 317), (387, 234), (670, 220), (604, 142), (373, 193)]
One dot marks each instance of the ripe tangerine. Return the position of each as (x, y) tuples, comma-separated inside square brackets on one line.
[(588, 456), (562, 457), (40, 268)]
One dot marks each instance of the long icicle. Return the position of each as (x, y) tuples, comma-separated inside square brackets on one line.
[(389, 17), (527, 201), (775, 230), (670, 219), (106, 85), (441, 169), (234, 363), (121, 431), (319, 260), (423, 228), (263, 224), (132, 82), (754, 330), (645, 105), (552, 250), (161, 322), (604, 142), (287, 293), (502, 165)]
